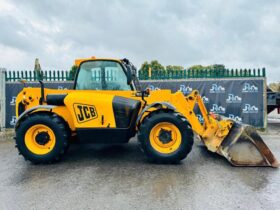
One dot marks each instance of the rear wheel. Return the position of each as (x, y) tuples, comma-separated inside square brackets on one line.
[(165, 137), (42, 138)]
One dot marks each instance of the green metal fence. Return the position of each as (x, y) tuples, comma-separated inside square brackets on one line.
[(30, 75), (62, 75), (205, 73)]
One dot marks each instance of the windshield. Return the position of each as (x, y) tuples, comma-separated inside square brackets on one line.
[(102, 75)]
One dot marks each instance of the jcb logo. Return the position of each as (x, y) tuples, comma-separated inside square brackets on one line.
[(84, 112)]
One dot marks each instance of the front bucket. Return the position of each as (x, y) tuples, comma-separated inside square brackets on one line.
[(244, 147)]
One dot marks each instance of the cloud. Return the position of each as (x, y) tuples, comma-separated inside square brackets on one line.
[(239, 34)]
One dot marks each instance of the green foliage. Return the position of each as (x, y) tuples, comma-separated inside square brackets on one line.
[(174, 68), (173, 71), (196, 71), (155, 65), (73, 71), (218, 67), (156, 68), (210, 67), (145, 66), (197, 67), (208, 71), (275, 87)]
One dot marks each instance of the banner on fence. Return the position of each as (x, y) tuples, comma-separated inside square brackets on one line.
[(240, 99)]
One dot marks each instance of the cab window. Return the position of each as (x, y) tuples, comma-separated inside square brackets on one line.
[(101, 75)]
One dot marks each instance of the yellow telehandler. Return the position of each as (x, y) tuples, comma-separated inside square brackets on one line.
[(106, 105)]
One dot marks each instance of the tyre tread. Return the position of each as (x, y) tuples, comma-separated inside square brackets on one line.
[(143, 137), (51, 118)]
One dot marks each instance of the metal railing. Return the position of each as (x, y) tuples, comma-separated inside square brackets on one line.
[(204, 73), (62, 75), (30, 75)]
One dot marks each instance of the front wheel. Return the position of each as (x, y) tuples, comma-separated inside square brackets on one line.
[(42, 138), (165, 137)]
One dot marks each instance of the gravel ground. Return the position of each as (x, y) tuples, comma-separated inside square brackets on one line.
[(118, 177)]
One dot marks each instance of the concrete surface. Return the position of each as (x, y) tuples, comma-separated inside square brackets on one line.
[(118, 177)]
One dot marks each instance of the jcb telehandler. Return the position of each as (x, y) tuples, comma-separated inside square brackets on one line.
[(107, 105)]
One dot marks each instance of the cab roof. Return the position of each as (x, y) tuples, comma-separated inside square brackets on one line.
[(93, 58)]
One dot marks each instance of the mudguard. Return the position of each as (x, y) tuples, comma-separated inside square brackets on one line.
[(28, 111), (158, 105)]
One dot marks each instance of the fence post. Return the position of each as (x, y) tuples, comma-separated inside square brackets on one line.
[(263, 72), (2, 98), (149, 73)]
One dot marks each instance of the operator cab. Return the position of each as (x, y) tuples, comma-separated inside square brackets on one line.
[(104, 74), (99, 74)]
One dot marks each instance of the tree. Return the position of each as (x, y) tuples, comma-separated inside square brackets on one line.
[(145, 66), (155, 65), (160, 72), (197, 67), (275, 87), (174, 68), (210, 70), (218, 67), (73, 71), (209, 67)]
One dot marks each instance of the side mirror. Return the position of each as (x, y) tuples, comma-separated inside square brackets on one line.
[(128, 71), (129, 76)]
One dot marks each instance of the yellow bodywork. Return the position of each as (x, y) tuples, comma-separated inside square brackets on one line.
[(80, 60), (33, 146), (170, 147), (212, 131), (97, 106)]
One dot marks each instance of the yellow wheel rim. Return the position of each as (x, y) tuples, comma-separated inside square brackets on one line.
[(165, 144), (40, 139)]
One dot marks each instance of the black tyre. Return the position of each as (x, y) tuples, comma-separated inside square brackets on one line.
[(42, 138), (165, 137)]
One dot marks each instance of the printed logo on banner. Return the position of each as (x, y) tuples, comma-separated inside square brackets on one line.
[(236, 118), (233, 99), (250, 109), (13, 101), (13, 121), (217, 89), (200, 118), (151, 87), (248, 88), (218, 109), (61, 88), (185, 90), (205, 100)]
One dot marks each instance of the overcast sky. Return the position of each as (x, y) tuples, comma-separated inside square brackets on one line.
[(238, 34)]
